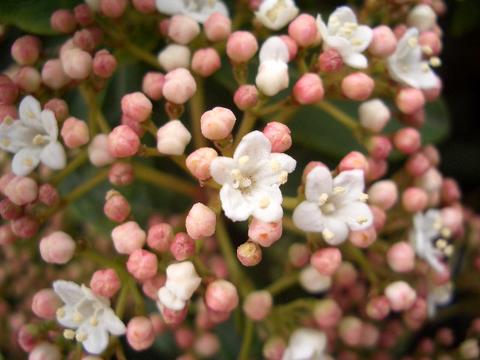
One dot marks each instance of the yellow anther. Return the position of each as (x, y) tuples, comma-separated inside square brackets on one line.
[(441, 244), (446, 232), (77, 317), (28, 161), (427, 50), (93, 321), (362, 220), (39, 140), (264, 202), (275, 165), (412, 42), (283, 177), (425, 67), (60, 313), (448, 251), (81, 336), (243, 159), (435, 61), (327, 234), (338, 190), (323, 199), (363, 197), (69, 334), (328, 208)]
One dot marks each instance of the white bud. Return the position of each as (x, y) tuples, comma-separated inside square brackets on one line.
[(272, 77), (172, 138), (174, 56), (422, 17), (374, 115), (314, 282)]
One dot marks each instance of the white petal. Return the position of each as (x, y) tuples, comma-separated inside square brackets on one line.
[(70, 292), (272, 77), (364, 36), (322, 27), (97, 338), (25, 161), (356, 214), (29, 112), (337, 228), (67, 319), (234, 204), (308, 217), (112, 323), (184, 288), (352, 181), (319, 181), (356, 60), (168, 299), (274, 48), (275, 14), (255, 146), (273, 212), (342, 15), (221, 169), (207, 10), (49, 123), (170, 7), (53, 156)]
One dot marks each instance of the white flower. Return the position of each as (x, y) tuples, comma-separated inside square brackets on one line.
[(314, 282), (306, 344), (439, 296), (426, 238), (347, 37), (272, 74), (182, 281), (251, 180), (333, 206), (275, 14), (89, 314), (407, 66), (32, 139), (200, 10)]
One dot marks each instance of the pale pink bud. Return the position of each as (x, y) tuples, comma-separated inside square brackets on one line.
[(77, 63), (140, 333), (21, 190), (10, 211), (430, 42), (182, 29), (346, 275), (200, 221), (326, 261), (133, 124), (377, 168), (27, 337), (206, 61), (274, 348), (417, 165), (409, 100), (123, 142), (452, 217), (45, 351), (207, 345), (173, 138), (98, 152), (308, 89), (53, 75), (246, 97), (113, 8), (83, 14), (451, 192), (298, 254), (179, 86), (151, 286), (400, 295), (158, 324), (217, 27), (379, 217), (414, 199), (57, 248), (264, 233), (199, 162), (350, 330), (383, 42), (128, 237), (378, 308), (407, 140), (104, 64), (152, 85), (249, 253), (217, 124), (221, 296), (74, 133), (353, 160), (116, 207), (379, 146), (28, 79), (401, 257), (432, 153), (184, 337), (121, 174), (370, 335), (105, 282), (144, 6), (45, 304), (357, 86), (174, 56), (5, 180), (59, 108), (8, 90), (433, 93), (363, 238), (63, 21), (383, 194), (182, 246), (160, 236), (83, 39), (257, 305), (374, 115), (136, 106), (25, 227), (241, 46), (173, 317), (327, 313), (26, 50), (142, 264), (279, 136), (303, 29)]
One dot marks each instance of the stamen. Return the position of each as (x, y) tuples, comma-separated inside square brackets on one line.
[(323, 199), (77, 317), (425, 67), (338, 190), (81, 336), (30, 114), (8, 120), (328, 208), (60, 313), (283, 177), (69, 334), (437, 225), (362, 220), (28, 161), (412, 42), (441, 244), (435, 61), (264, 202), (357, 42), (446, 232), (93, 321), (243, 160), (327, 234), (275, 165), (363, 197), (39, 140), (448, 251), (427, 50)]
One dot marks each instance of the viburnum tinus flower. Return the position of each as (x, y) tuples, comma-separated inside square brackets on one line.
[(407, 65), (32, 138), (438, 296), (87, 316), (275, 14), (306, 343), (431, 239), (333, 207), (199, 10), (272, 74), (251, 179), (343, 34)]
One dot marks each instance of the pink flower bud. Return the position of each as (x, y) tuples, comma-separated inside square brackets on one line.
[(452, 218), (326, 261), (113, 8), (353, 160), (407, 140), (98, 152), (327, 313), (151, 286), (417, 165), (217, 124), (378, 308), (174, 57), (121, 174), (383, 42), (451, 192), (173, 138), (53, 75), (264, 233), (274, 348), (249, 253), (83, 14), (330, 61), (45, 304), (63, 21), (246, 97), (184, 337), (27, 337), (57, 248), (433, 93), (357, 86), (350, 330), (183, 29), (363, 238), (128, 237), (414, 199), (207, 345), (5, 180), (199, 162), (45, 351), (346, 275), (303, 29), (10, 211), (123, 142), (83, 39), (59, 108), (206, 61), (409, 100), (401, 257), (430, 42), (383, 194), (21, 190), (257, 305), (379, 147), (200, 221), (279, 136), (105, 282), (26, 50), (182, 246), (173, 317), (179, 86), (217, 27), (142, 264), (299, 255), (104, 64), (28, 79), (75, 133), (25, 227), (116, 207), (400, 295), (144, 6), (377, 168), (221, 296), (76, 63), (241, 46), (8, 90), (160, 236), (374, 115), (136, 106), (308, 89), (152, 85), (140, 333)]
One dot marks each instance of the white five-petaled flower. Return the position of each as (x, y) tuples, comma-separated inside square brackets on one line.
[(32, 138), (182, 281), (275, 14), (407, 65), (87, 317), (438, 296), (306, 344), (251, 179), (200, 10), (343, 34), (426, 238), (272, 76), (333, 207)]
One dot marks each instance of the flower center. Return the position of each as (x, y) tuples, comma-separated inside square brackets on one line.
[(40, 139), (240, 181), (443, 242), (276, 9)]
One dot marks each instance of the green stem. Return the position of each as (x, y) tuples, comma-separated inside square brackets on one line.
[(290, 202), (94, 113), (281, 284), (73, 165), (247, 124), (197, 106), (122, 302), (338, 114), (247, 340), (357, 256)]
